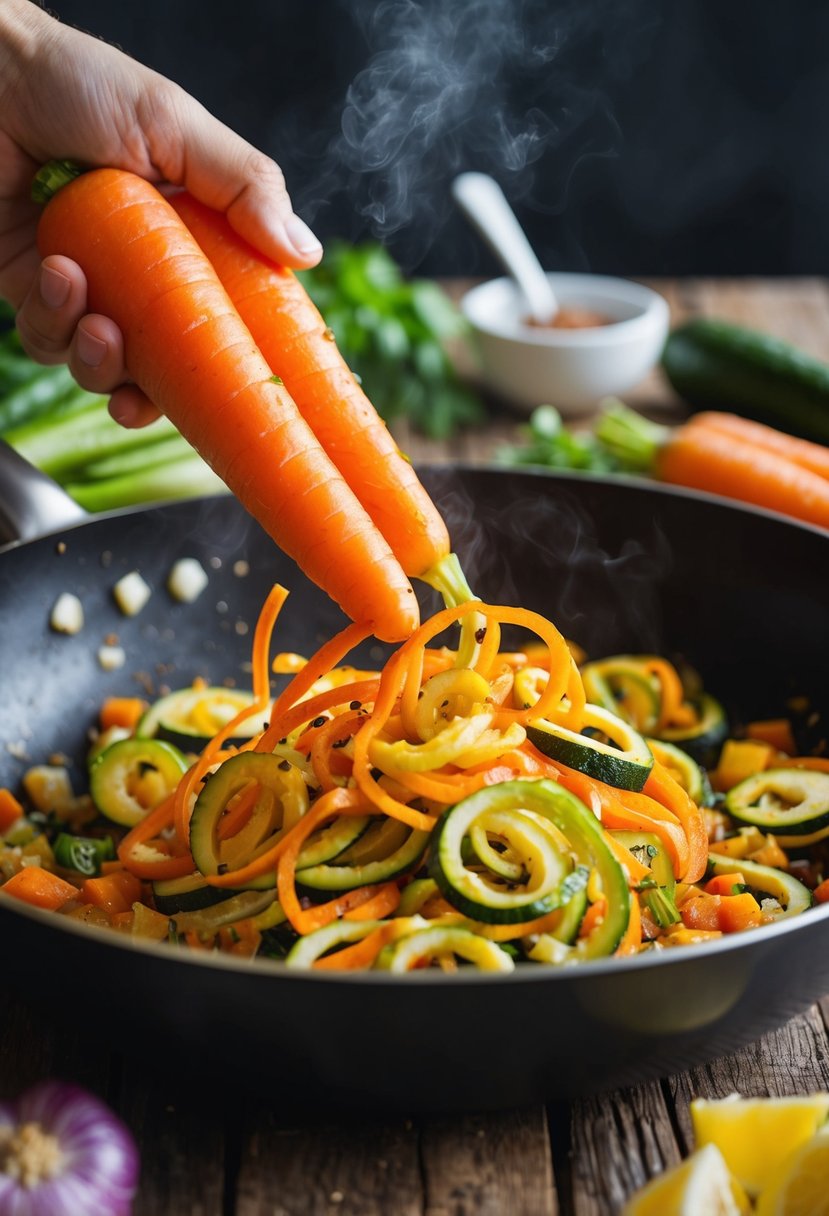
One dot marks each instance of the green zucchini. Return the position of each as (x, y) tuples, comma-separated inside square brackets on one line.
[(792, 895), (430, 944), (624, 762), (187, 894), (130, 777), (703, 740), (494, 901), (341, 876), (191, 716), (715, 365), (648, 849), (620, 685), (786, 801)]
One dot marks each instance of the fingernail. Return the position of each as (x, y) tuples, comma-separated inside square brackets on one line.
[(54, 287), (91, 350), (301, 236)]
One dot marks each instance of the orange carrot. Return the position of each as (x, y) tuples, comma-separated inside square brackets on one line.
[(724, 884), (808, 455), (705, 459), (121, 711), (36, 886), (822, 892), (300, 349), (115, 892), (777, 732), (10, 810), (190, 352)]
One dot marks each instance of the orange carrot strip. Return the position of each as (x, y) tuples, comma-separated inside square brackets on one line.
[(383, 902), (121, 711), (188, 349), (299, 347), (10, 810), (813, 456), (672, 710), (186, 789), (819, 764), (38, 887), (338, 730), (822, 892), (663, 788), (705, 459), (168, 864), (314, 707), (361, 954)]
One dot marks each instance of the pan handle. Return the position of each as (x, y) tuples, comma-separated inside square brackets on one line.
[(31, 504)]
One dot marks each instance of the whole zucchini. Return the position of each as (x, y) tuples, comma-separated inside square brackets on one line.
[(716, 365)]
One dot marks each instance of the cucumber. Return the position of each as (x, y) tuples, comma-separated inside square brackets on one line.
[(786, 801), (715, 365), (624, 762)]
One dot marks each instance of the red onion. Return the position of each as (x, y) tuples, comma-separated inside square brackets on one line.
[(64, 1153)]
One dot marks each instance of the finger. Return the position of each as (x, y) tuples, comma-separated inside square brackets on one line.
[(96, 355), (54, 305), (129, 406), (225, 172)]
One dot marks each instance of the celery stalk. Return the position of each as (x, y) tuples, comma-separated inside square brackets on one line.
[(183, 478)]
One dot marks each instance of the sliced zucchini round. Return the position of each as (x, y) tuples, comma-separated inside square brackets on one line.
[(624, 762), (306, 950), (792, 895), (489, 902), (132, 776), (703, 740), (187, 894), (620, 685), (428, 946), (786, 801), (338, 876), (190, 717)]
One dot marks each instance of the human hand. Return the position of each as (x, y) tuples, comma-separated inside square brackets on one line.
[(65, 94)]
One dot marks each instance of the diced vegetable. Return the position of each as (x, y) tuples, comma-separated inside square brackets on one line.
[(67, 614)]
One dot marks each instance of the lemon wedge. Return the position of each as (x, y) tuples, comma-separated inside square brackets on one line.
[(800, 1186), (756, 1135), (700, 1184)]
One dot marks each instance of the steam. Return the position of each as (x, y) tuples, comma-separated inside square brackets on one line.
[(449, 85)]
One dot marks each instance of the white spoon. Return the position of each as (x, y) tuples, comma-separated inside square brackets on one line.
[(484, 203)]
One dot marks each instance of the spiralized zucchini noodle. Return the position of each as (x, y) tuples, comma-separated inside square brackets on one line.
[(461, 806)]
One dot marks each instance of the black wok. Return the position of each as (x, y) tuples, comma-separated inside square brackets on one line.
[(619, 566)]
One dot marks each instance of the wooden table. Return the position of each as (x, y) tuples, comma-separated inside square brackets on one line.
[(206, 1155)]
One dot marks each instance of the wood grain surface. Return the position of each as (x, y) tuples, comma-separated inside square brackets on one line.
[(222, 1155)]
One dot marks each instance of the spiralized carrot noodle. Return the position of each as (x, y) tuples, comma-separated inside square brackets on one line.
[(370, 760)]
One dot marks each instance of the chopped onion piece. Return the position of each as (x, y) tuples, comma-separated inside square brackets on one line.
[(111, 657), (67, 614), (187, 580), (131, 593)]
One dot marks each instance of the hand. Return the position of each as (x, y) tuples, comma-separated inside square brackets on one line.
[(65, 94)]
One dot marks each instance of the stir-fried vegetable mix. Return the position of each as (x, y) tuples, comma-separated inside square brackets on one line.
[(473, 805)]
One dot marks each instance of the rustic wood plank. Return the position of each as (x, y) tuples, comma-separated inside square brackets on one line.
[(792, 1060), (618, 1142), (179, 1130), (348, 1167), (488, 1164), (34, 1046)]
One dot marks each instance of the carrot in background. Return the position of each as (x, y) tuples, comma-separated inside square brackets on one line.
[(298, 346), (808, 455), (704, 458), (190, 352)]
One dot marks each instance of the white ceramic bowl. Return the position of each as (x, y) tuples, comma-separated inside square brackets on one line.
[(569, 368)]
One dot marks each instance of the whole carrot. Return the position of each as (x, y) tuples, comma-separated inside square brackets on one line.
[(190, 352), (808, 455), (299, 347), (704, 458)]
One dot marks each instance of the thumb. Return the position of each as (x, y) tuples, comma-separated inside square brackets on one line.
[(225, 172)]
